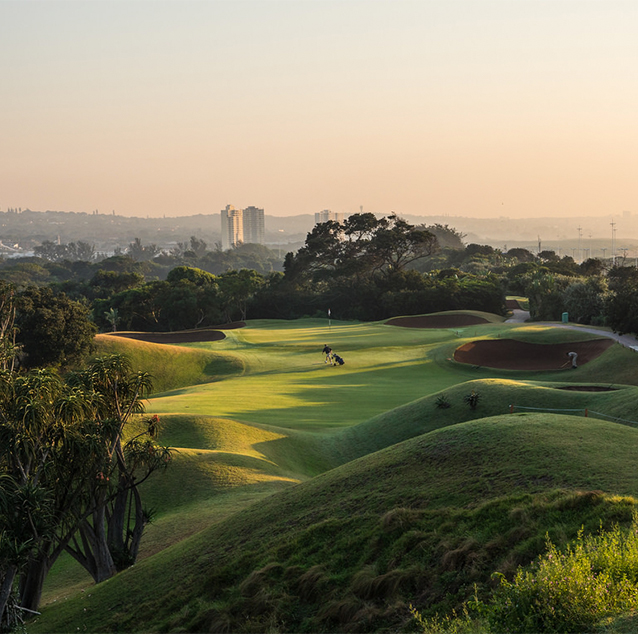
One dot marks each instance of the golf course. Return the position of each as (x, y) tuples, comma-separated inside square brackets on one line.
[(309, 497)]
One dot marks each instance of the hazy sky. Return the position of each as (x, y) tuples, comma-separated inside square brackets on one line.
[(477, 108)]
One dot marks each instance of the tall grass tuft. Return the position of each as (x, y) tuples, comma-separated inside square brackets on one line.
[(571, 590)]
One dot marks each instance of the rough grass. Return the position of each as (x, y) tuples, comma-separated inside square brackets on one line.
[(418, 522)]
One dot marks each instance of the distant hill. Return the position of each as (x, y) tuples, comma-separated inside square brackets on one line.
[(107, 232)]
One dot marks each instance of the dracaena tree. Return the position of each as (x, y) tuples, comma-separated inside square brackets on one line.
[(108, 540), (50, 449)]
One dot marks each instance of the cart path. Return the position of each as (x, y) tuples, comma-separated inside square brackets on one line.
[(521, 316)]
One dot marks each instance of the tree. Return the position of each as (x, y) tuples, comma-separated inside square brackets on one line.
[(237, 287), (141, 253), (522, 255), (72, 472), (110, 540), (112, 316), (8, 347), (362, 245), (52, 329), (50, 450)]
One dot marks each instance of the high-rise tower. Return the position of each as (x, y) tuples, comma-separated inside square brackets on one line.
[(254, 225), (232, 227), (242, 226)]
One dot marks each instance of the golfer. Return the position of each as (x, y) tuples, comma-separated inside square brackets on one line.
[(327, 350), (573, 356)]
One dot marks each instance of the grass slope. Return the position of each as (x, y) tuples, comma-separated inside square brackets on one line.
[(419, 521), (171, 366)]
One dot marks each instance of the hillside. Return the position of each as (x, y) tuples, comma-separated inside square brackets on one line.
[(353, 546)]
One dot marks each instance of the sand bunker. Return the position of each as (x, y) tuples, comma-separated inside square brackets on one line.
[(184, 336), (437, 321), (508, 354)]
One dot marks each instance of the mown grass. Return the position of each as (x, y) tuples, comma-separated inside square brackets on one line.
[(171, 366), (275, 415), (420, 522)]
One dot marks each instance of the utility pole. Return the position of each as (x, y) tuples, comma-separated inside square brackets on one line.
[(580, 245), (613, 242)]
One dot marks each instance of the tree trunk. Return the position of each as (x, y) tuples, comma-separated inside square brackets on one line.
[(116, 528), (5, 589), (32, 581), (140, 523), (103, 559), (96, 558)]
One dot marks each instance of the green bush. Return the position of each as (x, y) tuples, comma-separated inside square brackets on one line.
[(573, 590)]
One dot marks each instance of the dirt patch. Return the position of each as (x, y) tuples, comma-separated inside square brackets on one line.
[(587, 388), (183, 336), (508, 354), (437, 321)]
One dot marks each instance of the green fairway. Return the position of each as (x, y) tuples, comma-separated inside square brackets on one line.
[(286, 382)]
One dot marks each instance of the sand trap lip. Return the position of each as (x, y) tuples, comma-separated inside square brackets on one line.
[(587, 388), (184, 336), (508, 354), (437, 321)]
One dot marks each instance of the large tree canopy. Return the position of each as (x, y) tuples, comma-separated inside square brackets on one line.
[(52, 329), (361, 245)]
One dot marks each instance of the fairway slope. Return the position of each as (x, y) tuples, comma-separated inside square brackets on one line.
[(419, 522), (170, 366), (496, 396)]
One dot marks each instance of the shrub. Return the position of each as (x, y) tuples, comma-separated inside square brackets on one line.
[(573, 590), (472, 399), (442, 402)]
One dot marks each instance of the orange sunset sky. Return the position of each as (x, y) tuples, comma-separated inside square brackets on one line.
[(477, 108)]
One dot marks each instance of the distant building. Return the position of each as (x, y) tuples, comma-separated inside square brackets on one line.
[(242, 226), (326, 214), (254, 225), (232, 227)]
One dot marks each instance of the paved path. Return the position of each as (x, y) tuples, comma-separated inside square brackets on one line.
[(518, 316), (521, 316)]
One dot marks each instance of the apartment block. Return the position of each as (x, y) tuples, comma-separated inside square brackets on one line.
[(254, 225), (326, 214), (242, 226), (232, 227)]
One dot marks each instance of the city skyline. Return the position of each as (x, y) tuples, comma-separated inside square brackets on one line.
[(481, 108)]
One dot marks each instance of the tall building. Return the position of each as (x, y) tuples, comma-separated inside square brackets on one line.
[(232, 227), (254, 225), (242, 226), (326, 214)]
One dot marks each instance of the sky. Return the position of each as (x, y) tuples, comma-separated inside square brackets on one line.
[(480, 108)]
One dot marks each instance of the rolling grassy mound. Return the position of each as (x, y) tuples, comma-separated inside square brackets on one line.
[(171, 366), (420, 521)]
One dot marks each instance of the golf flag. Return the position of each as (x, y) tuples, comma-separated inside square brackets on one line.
[(328, 312)]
